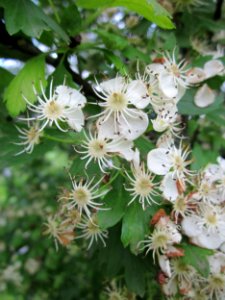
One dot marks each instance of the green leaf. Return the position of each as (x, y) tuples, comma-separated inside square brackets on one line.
[(144, 144), (197, 257), (135, 224), (202, 157), (79, 168), (25, 16), (112, 40), (135, 274), (6, 77), (150, 9), (114, 249), (187, 106), (71, 20), (32, 73), (116, 201)]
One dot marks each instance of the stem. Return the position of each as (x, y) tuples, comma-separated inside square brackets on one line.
[(54, 11), (56, 139)]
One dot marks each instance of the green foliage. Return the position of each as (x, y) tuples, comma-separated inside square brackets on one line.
[(115, 202), (135, 224), (25, 16), (150, 9), (197, 257), (32, 74)]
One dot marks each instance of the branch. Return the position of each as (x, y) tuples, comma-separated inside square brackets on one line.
[(218, 10)]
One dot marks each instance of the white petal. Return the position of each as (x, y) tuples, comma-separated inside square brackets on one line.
[(204, 96), (136, 159), (113, 85), (169, 187), (208, 240), (135, 126), (158, 161), (69, 96), (76, 119), (190, 226), (213, 68), (155, 69), (217, 262), (168, 85), (196, 75), (160, 124), (164, 264), (170, 288), (106, 129), (136, 94), (122, 147)]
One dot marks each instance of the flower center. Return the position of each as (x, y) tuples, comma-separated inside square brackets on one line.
[(143, 186), (178, 163), (211, 219), (160, 240), (97, 148), (53, 110), (180, 205), (117, 102), (33, 135), (217, 281), (175, 70), (82, 196)]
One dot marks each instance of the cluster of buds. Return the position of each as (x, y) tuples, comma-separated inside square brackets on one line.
[(196, 200)]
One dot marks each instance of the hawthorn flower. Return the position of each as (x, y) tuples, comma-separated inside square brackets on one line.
[(100, 149), (118, 117), (30, 137), (63, 105), (83, 195), (142, 187), (61, 233), (161, 161), (181, 278), (164, 235), (214, 285), (172, 76), (206, 226), (91, 230), (182, 207)]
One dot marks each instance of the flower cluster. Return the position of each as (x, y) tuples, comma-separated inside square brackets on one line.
[(193, 201)]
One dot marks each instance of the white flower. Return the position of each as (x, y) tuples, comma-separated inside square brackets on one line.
[(118, 118), (59, 231), (171, 76), (204, 96), (59, 107), (83, 195), (100, 149), (30, 137), (142, 187), (214, 285), (161, 161), (206, 226), (91, 230), (164, 235)]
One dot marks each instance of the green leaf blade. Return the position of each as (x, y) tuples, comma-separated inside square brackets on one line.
[(32, 73)]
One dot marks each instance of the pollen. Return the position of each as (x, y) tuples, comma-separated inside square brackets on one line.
[(97, 148), (143, 186), (53, 110), (117, 102), (82, 195)]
